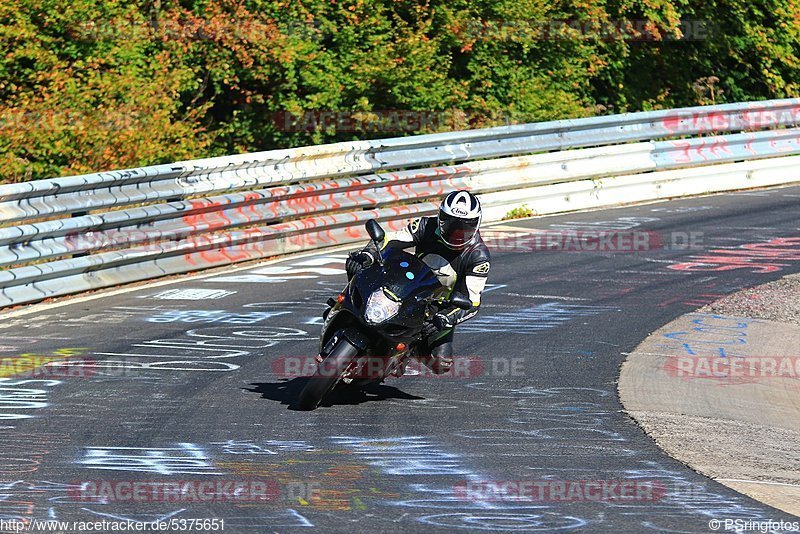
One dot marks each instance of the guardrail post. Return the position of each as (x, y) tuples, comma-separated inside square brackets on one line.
[(80, 254)]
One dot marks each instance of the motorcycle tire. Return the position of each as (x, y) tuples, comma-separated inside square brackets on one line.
[(327, 374)]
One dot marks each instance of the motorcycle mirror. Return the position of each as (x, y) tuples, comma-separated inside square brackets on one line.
[(460, 301), (375, 231)]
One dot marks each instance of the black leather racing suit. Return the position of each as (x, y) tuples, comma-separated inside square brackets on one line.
[(465, 270)]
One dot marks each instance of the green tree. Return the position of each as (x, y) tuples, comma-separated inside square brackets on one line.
[(95, 85)]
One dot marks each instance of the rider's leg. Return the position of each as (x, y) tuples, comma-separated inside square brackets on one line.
[(437, 352)]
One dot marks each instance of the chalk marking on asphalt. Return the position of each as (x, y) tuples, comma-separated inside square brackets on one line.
[(658, 261), (551, 297), (767, 228), (650, 272)]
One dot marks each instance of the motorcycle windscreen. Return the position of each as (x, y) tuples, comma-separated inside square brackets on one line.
[(407, 276)]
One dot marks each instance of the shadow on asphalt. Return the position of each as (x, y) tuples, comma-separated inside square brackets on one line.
[(287, 392)]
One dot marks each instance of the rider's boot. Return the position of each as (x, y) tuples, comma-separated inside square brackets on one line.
[(440, 358)]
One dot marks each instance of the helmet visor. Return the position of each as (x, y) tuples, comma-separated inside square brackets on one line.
[(455, 231)]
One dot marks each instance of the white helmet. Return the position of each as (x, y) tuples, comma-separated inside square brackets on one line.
[(459, 219)]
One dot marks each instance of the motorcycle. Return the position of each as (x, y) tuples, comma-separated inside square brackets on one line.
[(374, 326)]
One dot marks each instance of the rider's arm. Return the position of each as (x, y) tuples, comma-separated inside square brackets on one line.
[(474, 282), (408, 236)]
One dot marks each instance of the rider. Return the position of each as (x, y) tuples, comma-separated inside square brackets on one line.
[(451, 246)]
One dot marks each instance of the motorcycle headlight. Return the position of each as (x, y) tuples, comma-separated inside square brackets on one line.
[(380, 308)]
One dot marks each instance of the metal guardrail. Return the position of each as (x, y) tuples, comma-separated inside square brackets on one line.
[(82, 232)]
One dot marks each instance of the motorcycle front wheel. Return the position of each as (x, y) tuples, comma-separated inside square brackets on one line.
[(327, 374)]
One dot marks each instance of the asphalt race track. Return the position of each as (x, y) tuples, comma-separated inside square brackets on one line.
[(190, 382)]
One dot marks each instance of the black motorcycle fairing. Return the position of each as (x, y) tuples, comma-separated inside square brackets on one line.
[(403, 274), (342, 322), (403, 278), (393, 278)]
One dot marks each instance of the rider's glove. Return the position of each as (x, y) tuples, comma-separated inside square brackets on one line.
[(435, 324), (357, 261)]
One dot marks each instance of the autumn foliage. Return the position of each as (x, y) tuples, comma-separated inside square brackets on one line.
[(92, 85)]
